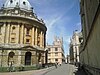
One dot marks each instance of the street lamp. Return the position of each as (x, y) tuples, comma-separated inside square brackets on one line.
[(46, 56), (76, 54)]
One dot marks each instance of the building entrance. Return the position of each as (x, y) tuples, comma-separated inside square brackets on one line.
[(28, 58)]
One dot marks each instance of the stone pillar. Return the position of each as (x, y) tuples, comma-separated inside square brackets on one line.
[(41, 40), (19, 58), (8, 33), (4, 32), (17, 35), (36, 59), (22, 34), (33, 37), (44, 40), (36, 36), (25, 36)]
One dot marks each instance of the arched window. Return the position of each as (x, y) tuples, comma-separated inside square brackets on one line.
[(28, 31), (28, 58), (10, 58), (11, 54)]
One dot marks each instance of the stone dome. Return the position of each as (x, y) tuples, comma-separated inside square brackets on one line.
[(22, 4)]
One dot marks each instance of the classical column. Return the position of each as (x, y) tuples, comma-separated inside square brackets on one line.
[(4, 33), (44, 39), (17, 35), (33, 36), (22, 34), (8, 33), (25, 36), (36, 59), (41, 40), (19, 57), (36, 36)]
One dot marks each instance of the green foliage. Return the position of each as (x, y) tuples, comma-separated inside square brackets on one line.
[(14, 69), (4, 69)]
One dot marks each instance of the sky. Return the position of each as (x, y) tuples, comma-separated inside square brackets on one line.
[(60, 16)]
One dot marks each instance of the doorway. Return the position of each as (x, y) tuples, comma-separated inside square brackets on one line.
[(28, 58)]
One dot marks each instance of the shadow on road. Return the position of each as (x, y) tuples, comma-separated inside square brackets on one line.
[(80, 72)]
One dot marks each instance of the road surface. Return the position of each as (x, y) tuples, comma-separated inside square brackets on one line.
[(65, 69)]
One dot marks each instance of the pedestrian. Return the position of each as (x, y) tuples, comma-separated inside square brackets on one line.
[(60, 64), (56, 65)]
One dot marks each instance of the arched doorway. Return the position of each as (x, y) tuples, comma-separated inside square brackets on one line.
[(10, 58), (28, 58)]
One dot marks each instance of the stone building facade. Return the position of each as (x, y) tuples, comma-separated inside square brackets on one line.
[(22, 35), (90, 50), (56, 52), (74, 47), (67, 59)]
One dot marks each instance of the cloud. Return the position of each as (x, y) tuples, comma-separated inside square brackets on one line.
[(55, 13), (57, 26), (57, 19)]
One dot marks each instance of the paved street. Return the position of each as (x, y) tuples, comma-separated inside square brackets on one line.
[(32, 72), (64, 69)]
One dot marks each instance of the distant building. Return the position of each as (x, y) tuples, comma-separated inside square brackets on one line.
[(22, 35), (90, 50), (74, 47), (56, 51), (67, 58)]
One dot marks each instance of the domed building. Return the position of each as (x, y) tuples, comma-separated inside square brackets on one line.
[(22, 35)]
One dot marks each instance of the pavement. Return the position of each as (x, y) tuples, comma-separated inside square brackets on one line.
[(32, 72), (65, 69)]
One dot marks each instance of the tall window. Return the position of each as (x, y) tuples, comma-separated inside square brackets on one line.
[(28, 31), (56, 60), (56, 49), (28, 58), (11, 58), (38, 43), (49, 60), (49, 54), (27, 40), (56, 54), (12, 40), (49, 49)]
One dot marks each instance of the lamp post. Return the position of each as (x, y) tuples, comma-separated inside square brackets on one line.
[(46, 56), (76, 54)]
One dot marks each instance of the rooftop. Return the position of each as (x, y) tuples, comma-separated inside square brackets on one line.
[(22, 4)]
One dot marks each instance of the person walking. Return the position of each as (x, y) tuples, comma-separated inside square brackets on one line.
[(55, 65)]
